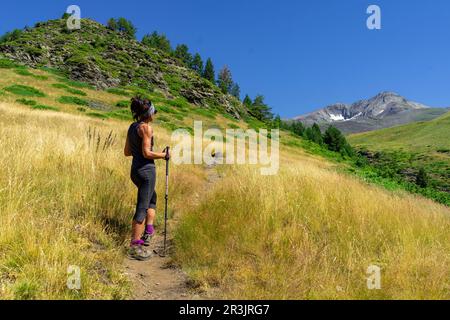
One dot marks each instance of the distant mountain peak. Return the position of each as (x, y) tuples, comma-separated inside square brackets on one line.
[(383, 110), (388, 94)]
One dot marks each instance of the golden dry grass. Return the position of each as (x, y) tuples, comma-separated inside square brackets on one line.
[(310, 233), (64, 201), (306, 233)]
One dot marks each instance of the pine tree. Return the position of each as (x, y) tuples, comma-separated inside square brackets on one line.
[(197, 64), (225, 80), (314, 134), (158, 41), (247, 102), (112, 24), (182, 53), (276, 123), (122, 25), (298, 128), (336, 141), (308, 134), (260, 110), (209, 73), (236, 91)]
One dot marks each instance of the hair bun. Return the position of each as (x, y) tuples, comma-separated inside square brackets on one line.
[(139, 107)]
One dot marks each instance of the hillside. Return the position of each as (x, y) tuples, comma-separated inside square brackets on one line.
[(412, 146), (385, 110), (422, 136), (49, 89), (107, 59)]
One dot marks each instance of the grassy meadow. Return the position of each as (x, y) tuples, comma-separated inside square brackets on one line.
[(431, 136), (309, 232), (66, 199)]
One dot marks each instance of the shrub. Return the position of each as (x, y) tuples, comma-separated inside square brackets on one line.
[(166, 109), (76, 91), (170, 126), (229, 117), (44, 107), (26, 102), (39, 77), (69, 89), (233, 126), (97, 115), (33, 51), (162, 119), (26, 290), (422, 178), (23, 72), (53, 71), (7, 64), (11, 36), (205, 113), (121, 115), (76, 84), (178, 117), (136, 91), (73, 100), (123, 104), (27, 91), (119, 92), (180, 103), (59, 86)]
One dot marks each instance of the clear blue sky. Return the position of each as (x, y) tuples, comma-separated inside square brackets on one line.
[(301, 55)]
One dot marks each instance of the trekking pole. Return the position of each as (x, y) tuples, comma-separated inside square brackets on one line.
[(166, 202)]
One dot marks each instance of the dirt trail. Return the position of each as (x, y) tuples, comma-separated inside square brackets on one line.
[(159, 278)]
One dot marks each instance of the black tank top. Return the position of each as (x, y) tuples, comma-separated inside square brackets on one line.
[(135, 142)]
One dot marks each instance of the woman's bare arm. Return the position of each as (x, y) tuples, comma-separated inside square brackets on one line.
[(127, 149), (146, 132)]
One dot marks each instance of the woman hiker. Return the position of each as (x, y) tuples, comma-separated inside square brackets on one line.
[(139, 144)]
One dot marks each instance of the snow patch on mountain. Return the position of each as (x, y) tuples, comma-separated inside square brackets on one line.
[(337, 117)]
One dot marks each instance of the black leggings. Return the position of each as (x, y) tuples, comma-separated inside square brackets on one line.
[(145, 180)]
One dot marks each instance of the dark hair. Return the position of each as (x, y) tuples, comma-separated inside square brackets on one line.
[(139, 108)]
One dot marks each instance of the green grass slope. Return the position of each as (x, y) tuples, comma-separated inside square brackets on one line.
[(40, 89), (427, 136), (405, 150)]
